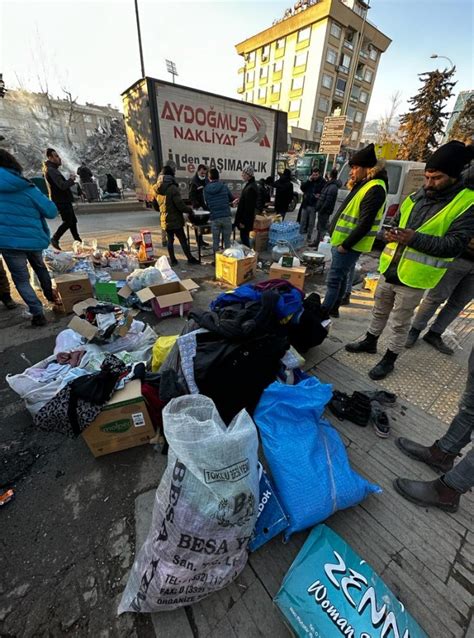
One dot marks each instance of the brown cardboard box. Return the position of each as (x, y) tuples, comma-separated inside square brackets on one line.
[(294, 275), (235, 271), (89, 331), (123, 423), (172, 298), (260, 240), (262, 222), (73, 284)]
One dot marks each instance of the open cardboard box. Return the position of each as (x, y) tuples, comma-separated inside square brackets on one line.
[(86, 329), (123, 423), (172, 298)]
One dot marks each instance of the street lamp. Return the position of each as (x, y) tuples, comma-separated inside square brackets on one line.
[(139, 39), (435, 55), (171, 68)]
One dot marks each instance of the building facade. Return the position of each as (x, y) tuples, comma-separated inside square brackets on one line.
[(459, 105), (321, 59)]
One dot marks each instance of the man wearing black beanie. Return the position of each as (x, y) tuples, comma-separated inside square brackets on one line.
[(434, 226)]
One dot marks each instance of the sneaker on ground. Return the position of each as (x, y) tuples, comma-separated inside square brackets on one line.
[(38, 320)]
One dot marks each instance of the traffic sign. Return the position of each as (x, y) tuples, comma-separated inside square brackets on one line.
[(332, 134)]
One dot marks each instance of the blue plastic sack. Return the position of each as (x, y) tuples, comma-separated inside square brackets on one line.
[(330, 591), (271, 519), (306, 455)]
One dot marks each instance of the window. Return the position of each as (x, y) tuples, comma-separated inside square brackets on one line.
[(341, 85), (280, 44), (335, 30), (331, 56), (278, 66), (276, 88), (251, 57), (294, 106), (350, 114), (264, 73), (368, 75), (363, 97), (265, 53), (373, 54), (327, 81), (323, 104), (346, 61), (358, 117), (250, 76), (262, 93), (297, 83), (355, 92), (304, 34), (249, 97), (318, 127), (300, 59), (354, 135), (87, 118)]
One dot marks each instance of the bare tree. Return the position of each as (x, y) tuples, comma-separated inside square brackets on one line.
[(385, 132)]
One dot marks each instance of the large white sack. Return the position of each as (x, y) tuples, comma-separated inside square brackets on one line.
[(205, 509)]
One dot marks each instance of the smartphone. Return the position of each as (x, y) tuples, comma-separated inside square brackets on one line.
[(388, 227)]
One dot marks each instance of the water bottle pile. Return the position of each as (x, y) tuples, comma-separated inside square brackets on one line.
[(287, 231)]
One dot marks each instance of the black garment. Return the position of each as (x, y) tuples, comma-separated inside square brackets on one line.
[(263, 196), (246, 208), (327, 198), (454, 243), (85, 174), (196, 191), (322, 226), (370, 205), (180, 234), (450, 158), (308, 332), (111, 185), (69, 218), (59, 188), (310, 189), (283, 194), (366, 157)]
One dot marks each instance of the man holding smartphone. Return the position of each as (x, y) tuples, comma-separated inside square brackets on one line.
[(434, 225)]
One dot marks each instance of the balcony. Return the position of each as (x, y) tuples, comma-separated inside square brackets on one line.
[(279, 53), (359, 77), (339, 94), (298, 70), (349, 45), (250, 86), (274, 97), (296, 92), (343, 69), (277, 75), (263, 81), (302, 45)]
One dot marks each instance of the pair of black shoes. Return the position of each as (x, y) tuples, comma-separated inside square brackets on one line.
[(362, 407)]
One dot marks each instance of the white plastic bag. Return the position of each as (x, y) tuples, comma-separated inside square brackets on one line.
[(205, 509)]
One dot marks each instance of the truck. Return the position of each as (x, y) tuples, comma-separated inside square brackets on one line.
[(185, 127)]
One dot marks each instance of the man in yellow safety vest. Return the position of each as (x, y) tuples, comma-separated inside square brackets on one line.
[(434, 225), (354, 227)]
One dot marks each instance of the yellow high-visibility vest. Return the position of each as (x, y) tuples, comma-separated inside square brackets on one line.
[(416, 269), (349, 218)]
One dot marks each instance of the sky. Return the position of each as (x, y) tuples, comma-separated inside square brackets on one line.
[(90, 48)]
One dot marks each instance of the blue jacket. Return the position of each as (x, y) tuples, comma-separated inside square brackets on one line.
[(23, 213), (218, 197)]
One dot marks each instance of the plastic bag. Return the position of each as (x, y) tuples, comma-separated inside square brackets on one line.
[(167, 272), (330, 589), (301, 447), (58, 262), (205, 509), (238, 251), (161, 349), (69, 340), (271, 519)]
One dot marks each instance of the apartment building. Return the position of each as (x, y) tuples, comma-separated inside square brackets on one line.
[(320, 59)]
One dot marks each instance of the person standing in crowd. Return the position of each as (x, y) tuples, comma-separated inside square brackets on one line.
[(283, 193), (24, 233), (445, 491), (311, 190), (5, 294), (263, 195), (59, 189), (354, 228), (246, 208), (218, 199), (172, 209), (434, 226), (325, 206), (456, 288), (87, 183), (196, 195)]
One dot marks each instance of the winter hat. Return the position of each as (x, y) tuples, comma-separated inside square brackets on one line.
[(248, 170), (365, 157), (450, 158)]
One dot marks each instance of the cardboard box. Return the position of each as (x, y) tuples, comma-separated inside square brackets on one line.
[(172, 298), (294, 275), (86, 329), (262, 222), (147, 242), (107, 291), (260, 240), (123, 423), (73, 284), (235, 271)]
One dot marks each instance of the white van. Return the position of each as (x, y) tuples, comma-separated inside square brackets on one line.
[(404, 178)]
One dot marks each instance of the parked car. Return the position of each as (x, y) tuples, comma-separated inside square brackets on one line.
[(403, 178)]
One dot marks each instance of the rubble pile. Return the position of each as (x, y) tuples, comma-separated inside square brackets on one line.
[(107, 152)]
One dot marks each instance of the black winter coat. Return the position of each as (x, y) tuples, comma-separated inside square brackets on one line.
[(59, 188), (196, 191), (247, 207), (311, 188), (171, 203), (283, 194)]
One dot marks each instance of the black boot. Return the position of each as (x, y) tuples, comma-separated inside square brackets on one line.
[(432, 455), (355, 408), (8, 301), (346, 300), (334, 312), (412, 337), (435, 340), (172, 256), (55, 243), (384, 366), (368, 344), (434, 493)]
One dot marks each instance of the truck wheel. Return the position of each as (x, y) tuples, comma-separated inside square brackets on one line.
[(293, 204)]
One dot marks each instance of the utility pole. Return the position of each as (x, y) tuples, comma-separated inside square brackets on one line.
[(140, 48)]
